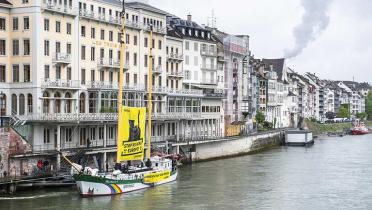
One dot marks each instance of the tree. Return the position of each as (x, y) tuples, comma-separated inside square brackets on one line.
[(260, 117), (330, 115), (361, 115), (343, 112), (369, 105)]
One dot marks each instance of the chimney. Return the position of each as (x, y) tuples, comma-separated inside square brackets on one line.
[(189, 17)]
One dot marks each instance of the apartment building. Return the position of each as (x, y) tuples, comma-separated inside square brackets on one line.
[(59, 72)]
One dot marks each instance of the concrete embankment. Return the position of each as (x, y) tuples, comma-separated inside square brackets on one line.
[(222, 148), (319, 129)]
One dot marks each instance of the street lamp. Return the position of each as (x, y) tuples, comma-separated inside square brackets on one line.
[(1, 108)]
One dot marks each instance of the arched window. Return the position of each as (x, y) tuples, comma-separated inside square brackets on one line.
[(82, 103), (14, 104), (29, 103), (93, 102), (21, 104), (57, 102), (68, 107), (46, 102)]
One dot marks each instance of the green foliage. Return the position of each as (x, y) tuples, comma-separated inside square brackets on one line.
[(369, 105), (267, 125), (344, 111), (361, 115), (260, 117), (330, 115)]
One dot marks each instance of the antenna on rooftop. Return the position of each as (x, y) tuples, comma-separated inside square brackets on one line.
[(213, 20)]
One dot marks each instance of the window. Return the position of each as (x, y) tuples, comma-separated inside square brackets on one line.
[(135, 59), (2, 47), (145, 61), (68, 48), (68, 73), (187, 45), (68, 28), (68, 135), (46, 24), (58, 26), (83, 76), (159, 61), (127, 76), (15, 24), (58, 47), (196, 61), (196, 46), (46, 136), (2, 24), (187, 60), (46, 72), (146, 42), (26, 23), (135, 40), (82, 52), (102, 34), (16, 73), (93, 33), (83, 31), (111, 36), (26, 47), (26, 73), (92, 53), (46, 47), (135, 79), (100, 133), (16, 47), (58, 72), (153, 43), (111, 76), (2, 73), (159, 44), (119, 37), (101, 76), (127, 37), (92, 75)]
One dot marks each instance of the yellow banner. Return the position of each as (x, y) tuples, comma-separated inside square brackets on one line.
[(131, 134), (156, 177)]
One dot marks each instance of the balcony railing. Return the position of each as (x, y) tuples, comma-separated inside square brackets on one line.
[(209, 82), (109, 63), (63, 58), (175, 74), (108, 19), (209, 67), (174, 56), (160, 30), (206, 52), (64, 9), (100, 117), (70, 84), (185, 92), (114, 85), (157, 70)]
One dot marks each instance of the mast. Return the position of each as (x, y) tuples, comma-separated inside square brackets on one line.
[(121, 70), (149, 99)]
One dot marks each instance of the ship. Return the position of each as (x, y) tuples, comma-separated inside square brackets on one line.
[(359, 128)]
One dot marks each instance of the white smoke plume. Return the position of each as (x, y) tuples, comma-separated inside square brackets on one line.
[(314, 21)]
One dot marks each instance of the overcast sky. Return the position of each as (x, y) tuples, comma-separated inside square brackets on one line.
[(340, 51)]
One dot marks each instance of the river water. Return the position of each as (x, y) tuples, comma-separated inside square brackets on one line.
[(335, 173)]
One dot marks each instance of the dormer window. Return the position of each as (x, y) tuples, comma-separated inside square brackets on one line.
[(190, 32), (209, 35), (196, 33), (183, 30), (202, 34)]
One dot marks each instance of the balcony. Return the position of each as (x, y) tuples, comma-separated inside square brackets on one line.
[(110, 63), (175, 115), (70, 117), (214, 93), (59, 8), (209, 67), (175, 74), (102, 85), (185, 92), (247, 98), (62, 58), (209, 82), (160, 30), (157, 70), (211, 53), (175, 57), (109, 19), (61, 84)]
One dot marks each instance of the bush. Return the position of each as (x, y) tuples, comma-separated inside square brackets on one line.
[(267, 125)]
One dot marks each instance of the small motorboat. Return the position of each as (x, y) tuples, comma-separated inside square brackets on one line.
[(359, 129)]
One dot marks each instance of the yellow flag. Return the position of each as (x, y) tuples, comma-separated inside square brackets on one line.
[(131, 134)]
